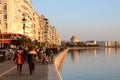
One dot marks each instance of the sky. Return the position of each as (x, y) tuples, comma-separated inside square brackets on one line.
[(87, 19)]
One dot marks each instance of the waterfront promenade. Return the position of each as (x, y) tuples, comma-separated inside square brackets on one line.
[(48, 71), (8, 71)]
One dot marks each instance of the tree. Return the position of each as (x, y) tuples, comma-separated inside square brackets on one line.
[(24, 41)]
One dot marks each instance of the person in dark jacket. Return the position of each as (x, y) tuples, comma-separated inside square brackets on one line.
[(19, 58), (31, 59)]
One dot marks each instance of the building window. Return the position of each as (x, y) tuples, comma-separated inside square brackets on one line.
[(0, 23), (5, 7), (0, 11), (19, 10), (5, 16)]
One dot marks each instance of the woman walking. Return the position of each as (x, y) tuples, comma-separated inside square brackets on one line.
[(31, 59), (19, 58)]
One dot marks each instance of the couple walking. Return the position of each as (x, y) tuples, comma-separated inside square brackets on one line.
[(22, 56)]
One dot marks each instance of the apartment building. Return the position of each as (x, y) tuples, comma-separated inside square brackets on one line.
[(3, 16), (57, 39), (18, 16), (43, 25), (12, 13)]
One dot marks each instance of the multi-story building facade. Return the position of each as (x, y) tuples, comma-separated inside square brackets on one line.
[(104, 43), (18, 16), (3, 16), (110, 44), (91, 42), (117, 44), (57, 39), (43, 25), (12, 13)]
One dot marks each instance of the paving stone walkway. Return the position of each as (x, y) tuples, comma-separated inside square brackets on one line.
[(8, 71)]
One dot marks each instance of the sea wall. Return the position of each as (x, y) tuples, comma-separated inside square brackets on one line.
[(54, 69), (59, 59)]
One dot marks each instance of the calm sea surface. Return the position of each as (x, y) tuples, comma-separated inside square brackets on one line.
[(92, 64)]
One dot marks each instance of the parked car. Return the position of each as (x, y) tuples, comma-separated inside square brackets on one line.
[(5, 55)]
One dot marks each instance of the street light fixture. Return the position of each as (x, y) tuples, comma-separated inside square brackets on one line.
[(24, 20)]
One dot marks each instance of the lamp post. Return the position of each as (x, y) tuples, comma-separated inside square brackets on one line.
[(24, 20)]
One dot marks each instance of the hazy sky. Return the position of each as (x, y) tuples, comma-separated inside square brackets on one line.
[(87, 19)]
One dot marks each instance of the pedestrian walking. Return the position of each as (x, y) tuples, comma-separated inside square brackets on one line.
[(19, 58), (41, 57), (25, 50), (31, 59)]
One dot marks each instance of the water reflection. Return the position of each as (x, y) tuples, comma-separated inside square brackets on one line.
[(92, 64), (75, 54), (112, 51)]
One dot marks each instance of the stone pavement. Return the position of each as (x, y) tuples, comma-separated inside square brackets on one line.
[(8, 71)]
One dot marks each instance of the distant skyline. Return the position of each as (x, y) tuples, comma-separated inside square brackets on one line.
[(87, 19)]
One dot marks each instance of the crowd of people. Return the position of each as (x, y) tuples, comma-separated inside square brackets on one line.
[(29, 55)]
